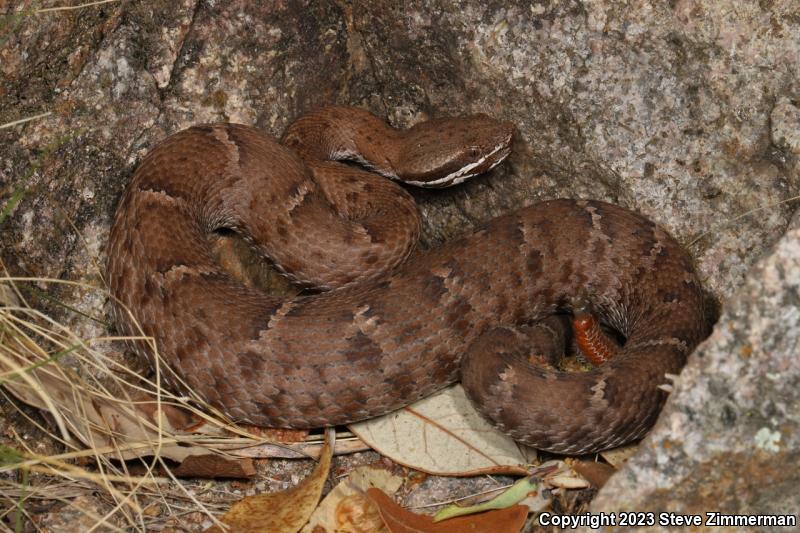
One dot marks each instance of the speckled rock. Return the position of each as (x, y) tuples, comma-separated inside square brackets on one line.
[(785, 118), (729, 437), (686, 111)]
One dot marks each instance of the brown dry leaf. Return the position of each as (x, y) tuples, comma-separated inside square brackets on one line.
[(595, 473), (444, 435), (280, 512), (348, 509), (276, 434), (125, 425), (179, 419), (113, 417), (294, 450), (400, 520), (199, 466), (126, 428), (215, 466), (122, 427)]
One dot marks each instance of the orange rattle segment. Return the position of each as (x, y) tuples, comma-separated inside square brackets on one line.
[(591, 339)]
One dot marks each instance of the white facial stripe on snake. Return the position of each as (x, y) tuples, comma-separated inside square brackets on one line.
[(463, 173)]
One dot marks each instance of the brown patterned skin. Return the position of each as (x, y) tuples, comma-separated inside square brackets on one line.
[(384, 340)]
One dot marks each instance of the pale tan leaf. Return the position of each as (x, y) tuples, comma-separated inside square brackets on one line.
[(367, 477), (126, 427), (443, 435), (295, 450), (619, 456), (7, 296), (558, 474), (348, 509), (280, 512), (123, 427), (567, 480)]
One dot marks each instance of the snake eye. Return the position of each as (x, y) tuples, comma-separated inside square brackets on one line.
[(474, 152)]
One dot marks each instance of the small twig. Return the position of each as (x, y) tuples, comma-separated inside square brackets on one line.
[(24, 120), (456, 500), (739, 217), (71, 8), (22, 497)]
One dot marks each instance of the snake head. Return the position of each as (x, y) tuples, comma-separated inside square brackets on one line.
[(447, 151)]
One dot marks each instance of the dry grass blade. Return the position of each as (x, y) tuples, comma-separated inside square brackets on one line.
[(735, 219), (73, 8), (104, 414), (24, 120)]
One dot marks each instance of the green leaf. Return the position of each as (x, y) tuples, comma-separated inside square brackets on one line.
[(515, 494)]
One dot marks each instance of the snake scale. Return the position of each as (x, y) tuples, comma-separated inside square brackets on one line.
[(392, 328)]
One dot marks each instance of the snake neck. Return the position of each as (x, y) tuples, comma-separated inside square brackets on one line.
[(343, 133), (436, 153)]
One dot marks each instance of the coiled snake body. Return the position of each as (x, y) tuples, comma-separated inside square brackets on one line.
[(392, 331)]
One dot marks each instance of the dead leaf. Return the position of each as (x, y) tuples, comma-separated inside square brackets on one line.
[(560, 475), (351, 514), (619, 456), (127, 425), (276, 434), (348, 509), (179, 419), (7, 296), (444, 435), (295, 450), (568, 480), (123, 420), (280, 512), (400, 520), (595, 473), (215, 466)]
